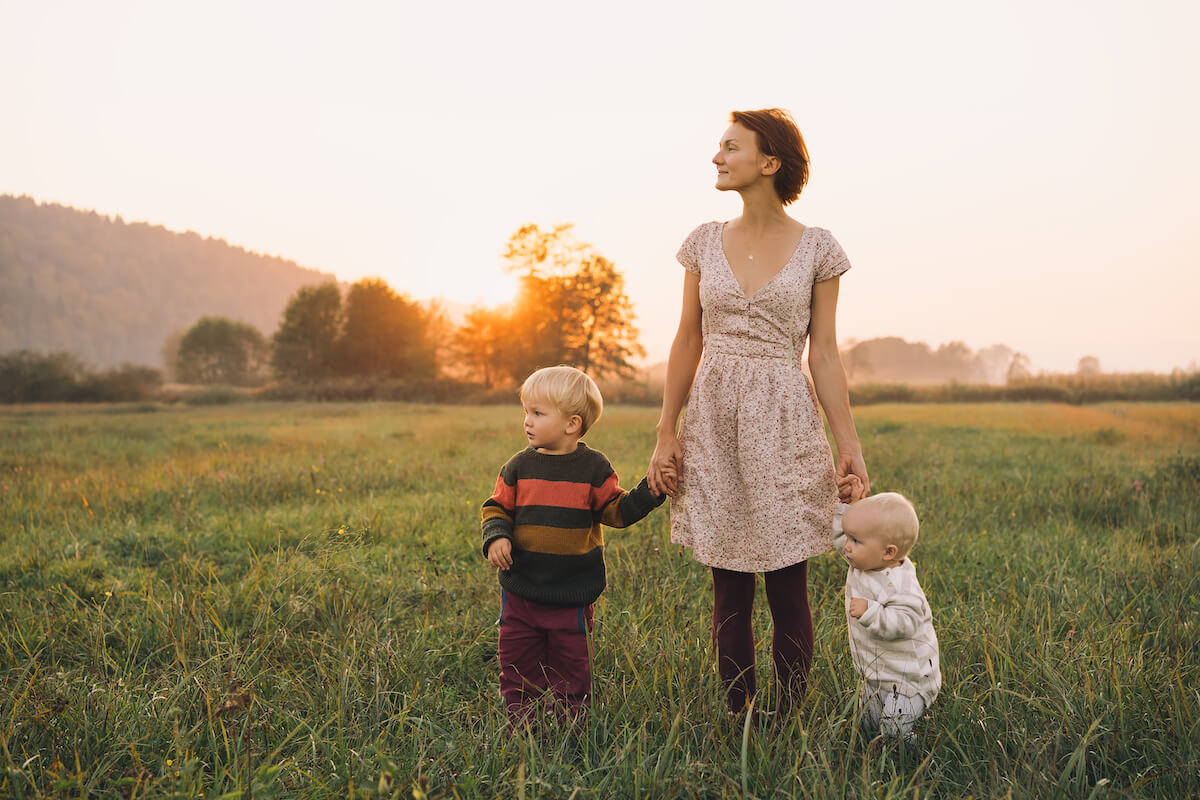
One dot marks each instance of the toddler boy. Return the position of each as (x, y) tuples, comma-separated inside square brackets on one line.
[(541, 530), (892, 640)]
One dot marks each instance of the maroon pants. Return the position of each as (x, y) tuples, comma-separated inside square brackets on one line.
[(544, 653), (733, 636)]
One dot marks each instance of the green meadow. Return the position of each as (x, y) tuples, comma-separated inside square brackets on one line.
[(288, 600)]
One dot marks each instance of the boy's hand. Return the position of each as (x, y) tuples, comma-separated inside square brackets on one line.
[(662, 476), (858, 607), (500, 553)]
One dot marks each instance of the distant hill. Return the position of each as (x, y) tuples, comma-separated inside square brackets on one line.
[(111, 292)]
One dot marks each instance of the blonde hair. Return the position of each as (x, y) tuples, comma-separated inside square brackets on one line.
[(894, 520), (571, 391)]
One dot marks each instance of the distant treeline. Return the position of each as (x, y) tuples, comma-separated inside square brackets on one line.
[(372, 342), (892, 360), (27, 377), (571, 309), (1072, 389), (111, 292)]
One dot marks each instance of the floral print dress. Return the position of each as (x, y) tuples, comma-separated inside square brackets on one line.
[(757, 489)]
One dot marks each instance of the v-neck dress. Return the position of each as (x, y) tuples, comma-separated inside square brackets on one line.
[(757, 490)]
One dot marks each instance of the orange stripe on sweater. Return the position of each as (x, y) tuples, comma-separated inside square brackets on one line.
[(504, 494), (562, 494), (603, 494)]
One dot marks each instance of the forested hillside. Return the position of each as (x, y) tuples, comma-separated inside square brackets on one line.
[(111, 292)]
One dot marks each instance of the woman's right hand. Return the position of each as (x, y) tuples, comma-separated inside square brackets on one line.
[(662, 476)]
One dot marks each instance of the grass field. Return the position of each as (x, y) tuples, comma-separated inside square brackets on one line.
[(277, 600)]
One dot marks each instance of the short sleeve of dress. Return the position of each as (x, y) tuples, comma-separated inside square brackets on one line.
[(831, 259), (690, 250)]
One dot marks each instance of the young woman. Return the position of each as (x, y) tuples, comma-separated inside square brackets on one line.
[(751, 473)]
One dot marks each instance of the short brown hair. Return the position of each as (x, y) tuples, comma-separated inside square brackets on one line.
[(778, 136)]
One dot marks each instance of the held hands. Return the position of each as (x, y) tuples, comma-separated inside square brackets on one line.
[(499, 553), (851, 489), (851, 464), (858, 607), (662, 476)]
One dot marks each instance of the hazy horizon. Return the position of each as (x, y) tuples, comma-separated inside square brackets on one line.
[(1019, 175)]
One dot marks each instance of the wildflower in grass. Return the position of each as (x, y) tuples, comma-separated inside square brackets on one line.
[(341, 531)]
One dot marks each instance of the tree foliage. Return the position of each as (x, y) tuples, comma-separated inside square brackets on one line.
[(1089, 365), (570, 308), (385, 334), (217, 350), (600, 337), (890, 359), (479, 343), (31, 377), (305, 345)]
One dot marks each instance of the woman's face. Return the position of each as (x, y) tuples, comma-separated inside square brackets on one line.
[(738, 160)]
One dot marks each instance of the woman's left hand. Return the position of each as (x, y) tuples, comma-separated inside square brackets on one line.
[(848, 464)]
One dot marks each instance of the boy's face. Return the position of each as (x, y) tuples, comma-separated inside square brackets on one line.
[(865, 549), (547, 429)]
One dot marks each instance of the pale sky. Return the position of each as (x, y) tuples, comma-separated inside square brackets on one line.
[(1023, 173)]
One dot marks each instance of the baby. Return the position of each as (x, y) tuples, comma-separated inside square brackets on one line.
[(892, 640)]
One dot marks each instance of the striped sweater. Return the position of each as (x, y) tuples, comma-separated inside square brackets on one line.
[(551, 508)]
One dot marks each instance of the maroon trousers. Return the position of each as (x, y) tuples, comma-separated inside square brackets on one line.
[(544, 655), (733, 636)]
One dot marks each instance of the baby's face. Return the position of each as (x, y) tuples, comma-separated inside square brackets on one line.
[(865, 549)]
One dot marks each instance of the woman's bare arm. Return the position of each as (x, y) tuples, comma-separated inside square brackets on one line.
[(830, 380), (667, 462)]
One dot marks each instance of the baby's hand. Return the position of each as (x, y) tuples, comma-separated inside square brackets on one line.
[(858, 607), (851, 489), (500, 553)]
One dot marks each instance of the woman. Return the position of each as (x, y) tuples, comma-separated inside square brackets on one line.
[(751, 473)]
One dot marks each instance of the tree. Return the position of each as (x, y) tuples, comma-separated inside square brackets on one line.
[(1088, 365), (439, 332), (954, 361), (600, 337), (571, 307), (30, 377), (385, 334), (220, 350), (479, 343), (305, 345), (1019, 368)]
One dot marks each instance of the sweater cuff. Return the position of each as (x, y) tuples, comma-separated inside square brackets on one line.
[(492, 532), (643, 501), (871, 614)]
